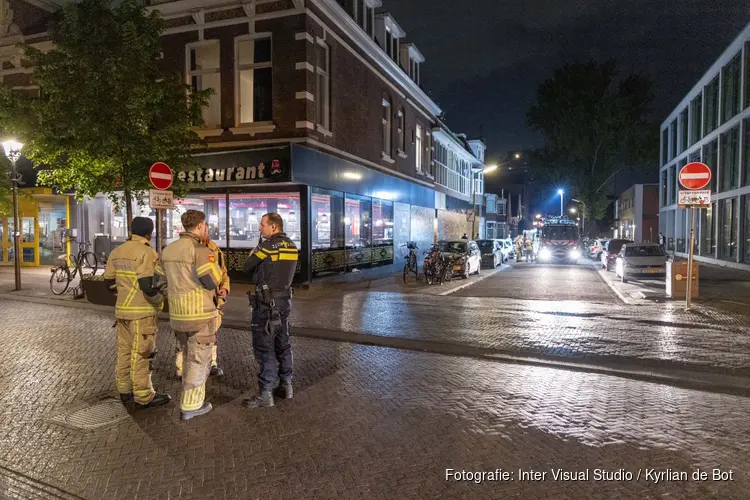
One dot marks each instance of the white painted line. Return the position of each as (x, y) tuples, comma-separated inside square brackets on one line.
[(733, 302), (156, 175), (703, 175), (475, 280)]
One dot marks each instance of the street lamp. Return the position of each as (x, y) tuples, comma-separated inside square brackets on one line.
[(561, 193), (517, 156), (13, 152), (487, 169), (583, 214), (538, 216)]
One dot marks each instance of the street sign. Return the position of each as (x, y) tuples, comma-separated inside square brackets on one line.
[(158, 199), (694, 199), (695, 175), (160, 175)]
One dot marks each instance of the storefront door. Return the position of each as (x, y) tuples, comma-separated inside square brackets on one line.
[(29, 241)]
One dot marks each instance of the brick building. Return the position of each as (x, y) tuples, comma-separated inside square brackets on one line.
[(637, 213), (318, 114)]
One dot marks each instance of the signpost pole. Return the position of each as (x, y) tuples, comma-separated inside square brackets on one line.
[(159, 236), (688, 295)]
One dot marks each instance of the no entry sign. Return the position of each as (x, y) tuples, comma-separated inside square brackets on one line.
[(160, 175), (695, 175)]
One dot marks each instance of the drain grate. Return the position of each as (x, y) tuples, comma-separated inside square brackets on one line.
[(100, 414)]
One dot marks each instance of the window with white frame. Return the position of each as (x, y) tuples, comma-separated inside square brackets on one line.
[(364, 14), (501, 208), (401, 131), (253, 77), (203, 72), (388, 42), (490, 204), (386, 126), (323, 84), (419, 152)]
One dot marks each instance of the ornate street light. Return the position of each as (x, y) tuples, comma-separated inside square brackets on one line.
[(13, 152)]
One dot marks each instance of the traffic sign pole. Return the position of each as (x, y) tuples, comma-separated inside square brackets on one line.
[(161, 176), (689, 294)]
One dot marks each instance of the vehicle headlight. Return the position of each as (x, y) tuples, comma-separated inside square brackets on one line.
[(575, 254), (544, 254)]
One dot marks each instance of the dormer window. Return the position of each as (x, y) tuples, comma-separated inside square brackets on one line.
[(363, 12), (388, 34), (411, 60)]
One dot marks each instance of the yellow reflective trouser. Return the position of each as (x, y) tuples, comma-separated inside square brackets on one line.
[(136, 343), (196, 349)]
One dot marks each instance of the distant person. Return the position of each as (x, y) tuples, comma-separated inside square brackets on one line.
[(529, 244), (464, 237), (519, 248)]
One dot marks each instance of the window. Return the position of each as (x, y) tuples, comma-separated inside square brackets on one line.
[(370, 21), (673, 147), (747, 74), (711, 116), (680, 163), (382, 222), (401, 131), (386, 127), (388, 42), (418, 148), (673, 185), (680, 216), (501, 208), (696, 107), (665, 146), (746, 229), (728, 229), (491, 203), (204, 73), (357, 221), (327, 218), (730, 88), (730, 159), (746, 152), (683, 130), (213, 205), (254, 78), (710, 156), (322, 85), (708, 231), (246, 210), (488, 246), (664, 184)]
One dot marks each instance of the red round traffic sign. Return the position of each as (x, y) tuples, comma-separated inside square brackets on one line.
[(160, 175), (695, 175)]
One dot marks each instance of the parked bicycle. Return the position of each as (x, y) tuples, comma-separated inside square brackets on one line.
[(410, 264), (434, 266), (70, 267)]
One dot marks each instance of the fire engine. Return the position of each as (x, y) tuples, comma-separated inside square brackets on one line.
[(560, 241)]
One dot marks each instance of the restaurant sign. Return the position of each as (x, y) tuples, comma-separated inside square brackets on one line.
[(248, 167)]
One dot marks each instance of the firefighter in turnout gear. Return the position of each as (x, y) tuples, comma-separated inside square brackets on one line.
[(221, 298), (130, 274), (272, 265), (189, 272)]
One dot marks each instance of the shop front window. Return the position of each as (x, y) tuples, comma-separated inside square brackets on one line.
[(358, 230), (729, 229), (382, 226), (746, 230), (327, 219), (708, 240), (213, 205), (246, 211)]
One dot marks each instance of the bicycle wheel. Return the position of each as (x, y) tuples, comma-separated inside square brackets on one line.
[(59, 281), (89, 262), (428, 277)]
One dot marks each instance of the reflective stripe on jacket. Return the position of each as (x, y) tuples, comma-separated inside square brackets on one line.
[(127, 263), (185, 267)]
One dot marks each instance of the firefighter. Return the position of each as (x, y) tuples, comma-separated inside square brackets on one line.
[(189, 272), (529, 244), (129, 275), (272, 265), (221, 298)]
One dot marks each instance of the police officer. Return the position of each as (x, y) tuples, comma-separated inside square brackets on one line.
[(221, 298), (129, 274), (188, 270), (272, 264)]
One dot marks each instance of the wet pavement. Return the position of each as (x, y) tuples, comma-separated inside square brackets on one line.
[(367, 422)]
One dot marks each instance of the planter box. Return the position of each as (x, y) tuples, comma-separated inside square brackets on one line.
[(96, 293)]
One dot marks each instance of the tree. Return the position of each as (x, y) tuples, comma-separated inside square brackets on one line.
[(595, 126), (107, 110), (13, 118)]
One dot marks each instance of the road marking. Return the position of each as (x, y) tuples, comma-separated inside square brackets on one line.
[(476, 280), (733, 302)]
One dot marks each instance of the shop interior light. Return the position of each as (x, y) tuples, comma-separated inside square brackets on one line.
[(352, 175)]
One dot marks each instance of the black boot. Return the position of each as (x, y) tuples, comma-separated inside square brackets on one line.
[(263, 400), (284, 391), (126, 398), (159, 399), (187, 415), (216, 371)]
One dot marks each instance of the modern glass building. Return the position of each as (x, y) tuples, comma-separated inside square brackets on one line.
[(712, 125)]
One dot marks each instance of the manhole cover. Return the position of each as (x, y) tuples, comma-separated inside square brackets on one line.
[(100, 414)]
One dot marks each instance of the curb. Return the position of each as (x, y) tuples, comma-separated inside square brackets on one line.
[(612, 287), (703, 380)]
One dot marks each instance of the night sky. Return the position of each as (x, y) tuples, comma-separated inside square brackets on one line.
[(485, 58)]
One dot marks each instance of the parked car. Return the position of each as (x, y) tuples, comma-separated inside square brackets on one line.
[(640, 260), (509, 250), (492, 252), (596, 249), (464, 253), (611, 250)]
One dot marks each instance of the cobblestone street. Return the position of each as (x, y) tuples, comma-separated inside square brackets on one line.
[(367, 422)]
